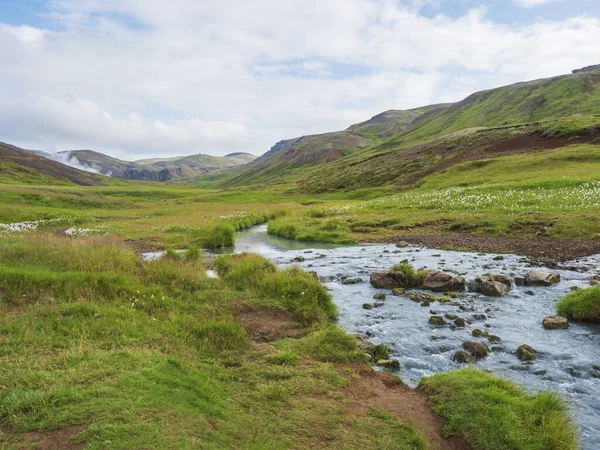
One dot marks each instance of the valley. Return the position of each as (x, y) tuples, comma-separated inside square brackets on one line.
[(258, 322)]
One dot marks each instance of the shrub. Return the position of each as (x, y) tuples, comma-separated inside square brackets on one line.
[(223, 235), (581, 305)]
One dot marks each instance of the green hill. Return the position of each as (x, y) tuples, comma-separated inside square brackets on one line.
[(292, 156), (18, 166), (157, 169), (520, 118)]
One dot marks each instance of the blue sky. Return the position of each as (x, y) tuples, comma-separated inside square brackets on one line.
[(154, 78)]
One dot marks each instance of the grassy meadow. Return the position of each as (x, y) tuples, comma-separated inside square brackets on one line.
[(159, 355)]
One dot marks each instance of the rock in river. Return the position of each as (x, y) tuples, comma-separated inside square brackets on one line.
[(389, 364), (462, 357), (526, 353), (438, 321), (555, 323), (388, 280), (491, 285), (476, 349), (443, 282), (541, 278)]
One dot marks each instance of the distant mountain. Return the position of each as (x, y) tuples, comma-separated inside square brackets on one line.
[(157, 169), (290, 155), (28, 167), (401, 147)]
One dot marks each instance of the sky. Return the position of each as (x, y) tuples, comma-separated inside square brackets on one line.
[(161, 78)]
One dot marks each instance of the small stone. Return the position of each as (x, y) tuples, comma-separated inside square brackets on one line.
[(367, 306), (499, 258), (555, 323), (451, 316), (460, 323), (398, 291), (519, 368), (527, 353), (299, 259), (348, 281), (530, 292), (402, 244), (438, 321), (462, 357), (378, 304), (477, 333), (379, 296), (476, 349), (389, 363), (479, 316), (539, 372), (493, 338)]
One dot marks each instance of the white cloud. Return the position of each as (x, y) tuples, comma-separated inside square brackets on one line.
[(150, 78), (533, 3)]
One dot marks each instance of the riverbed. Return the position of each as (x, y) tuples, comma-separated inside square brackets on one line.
[(570, 359)]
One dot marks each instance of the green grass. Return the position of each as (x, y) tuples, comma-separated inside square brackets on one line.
[(414, 278), (153, 354), (494, 414), (582, 305), (307, 230)]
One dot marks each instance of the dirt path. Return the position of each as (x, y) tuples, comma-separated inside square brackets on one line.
[(545, 250), (407, 405)]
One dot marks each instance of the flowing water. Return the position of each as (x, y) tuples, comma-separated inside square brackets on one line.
[(569, 361)]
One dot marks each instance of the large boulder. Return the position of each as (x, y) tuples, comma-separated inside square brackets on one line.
[(491, 285), (388, 280), (541, 278), (555, 323), (443, 282)]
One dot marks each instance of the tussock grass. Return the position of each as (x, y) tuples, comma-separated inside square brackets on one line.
[(582, 305), (414, 278), (494, 414), (332, 231), (293, 289)]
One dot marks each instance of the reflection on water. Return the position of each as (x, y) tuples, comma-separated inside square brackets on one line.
[(569, 361)]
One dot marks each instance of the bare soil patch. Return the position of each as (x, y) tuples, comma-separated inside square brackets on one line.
[(63, 439), (408, 405), (270, 324), (545, 250)]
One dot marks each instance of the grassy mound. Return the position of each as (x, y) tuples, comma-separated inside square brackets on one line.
[(581, 305), (494, 414)]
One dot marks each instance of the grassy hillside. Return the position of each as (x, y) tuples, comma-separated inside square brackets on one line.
[(287, 158), (405, 166), (291, 157), (18, 166), (519, 103), (513, 119)]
